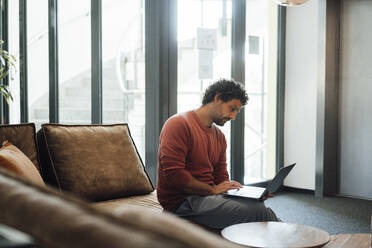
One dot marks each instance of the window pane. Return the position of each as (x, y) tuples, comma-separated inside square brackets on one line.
[(124, 66), (260, 80), (74, 51), (204, 51), (37, 64), (14, 108)]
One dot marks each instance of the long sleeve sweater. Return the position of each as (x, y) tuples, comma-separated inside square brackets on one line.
[(187, 149)]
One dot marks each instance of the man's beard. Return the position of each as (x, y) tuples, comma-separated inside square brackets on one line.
[(221, 121)]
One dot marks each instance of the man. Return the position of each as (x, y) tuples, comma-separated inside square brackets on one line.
[(192, 171)]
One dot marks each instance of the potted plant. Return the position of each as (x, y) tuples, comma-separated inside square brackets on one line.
[(6, 63)]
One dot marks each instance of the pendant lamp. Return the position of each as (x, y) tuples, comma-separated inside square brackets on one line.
[(290, 2)]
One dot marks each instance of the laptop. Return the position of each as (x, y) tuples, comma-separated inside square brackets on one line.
[(259, 193)]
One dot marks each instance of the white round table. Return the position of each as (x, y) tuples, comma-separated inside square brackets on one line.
[(275, 234)]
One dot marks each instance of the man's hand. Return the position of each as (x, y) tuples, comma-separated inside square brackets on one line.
[(269, 195), (225, 186)]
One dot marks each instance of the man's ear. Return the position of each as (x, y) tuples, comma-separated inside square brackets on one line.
[(217, 98)]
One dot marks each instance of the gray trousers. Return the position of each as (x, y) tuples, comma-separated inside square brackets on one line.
[(220, 211)]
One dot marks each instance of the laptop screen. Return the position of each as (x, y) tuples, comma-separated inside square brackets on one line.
[(279, 178)]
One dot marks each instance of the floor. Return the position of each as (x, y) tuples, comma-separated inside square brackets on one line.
[(336, 215)]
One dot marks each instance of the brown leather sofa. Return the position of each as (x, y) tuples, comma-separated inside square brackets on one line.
[(97, 192)]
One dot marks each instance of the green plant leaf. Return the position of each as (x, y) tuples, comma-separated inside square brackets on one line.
[(4, 91), (7, 62)]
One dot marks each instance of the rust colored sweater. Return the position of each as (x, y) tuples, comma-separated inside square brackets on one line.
[(187, 148)]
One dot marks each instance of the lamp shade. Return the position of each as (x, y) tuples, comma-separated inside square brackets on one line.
[(290, 2)]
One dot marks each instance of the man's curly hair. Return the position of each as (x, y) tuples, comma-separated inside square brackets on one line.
[(228, 90)]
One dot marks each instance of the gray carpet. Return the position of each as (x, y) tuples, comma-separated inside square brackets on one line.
[(335, 215)]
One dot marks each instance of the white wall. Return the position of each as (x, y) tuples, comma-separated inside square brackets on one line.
[(300, 94), (355, 102)]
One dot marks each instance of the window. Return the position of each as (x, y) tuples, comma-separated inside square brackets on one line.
[(124, 66), (13, 43), (260, 83), (204, 30), (204, 51), (37, 64), (74, 53)]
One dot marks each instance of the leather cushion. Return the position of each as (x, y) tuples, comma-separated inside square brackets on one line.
[(95, 162), (23, 137), (13, 159)]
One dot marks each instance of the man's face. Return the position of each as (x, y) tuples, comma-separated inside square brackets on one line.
[(226, 111)]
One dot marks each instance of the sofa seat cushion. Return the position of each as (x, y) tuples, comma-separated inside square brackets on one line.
[(147, 201), (95, 162), (11, 158), (23, 137)]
